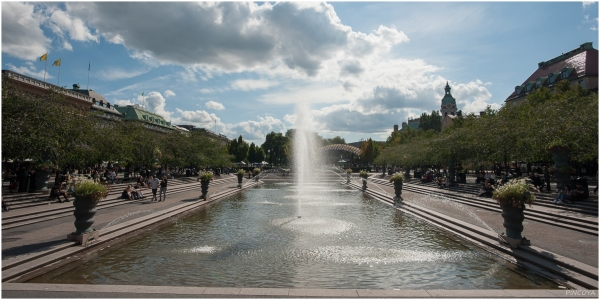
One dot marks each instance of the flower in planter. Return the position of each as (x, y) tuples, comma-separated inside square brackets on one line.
[(205, 176), (349, 171), (241, 172), (515, 193), (397, 177), (256, 171), (85, 188), (363, 174)]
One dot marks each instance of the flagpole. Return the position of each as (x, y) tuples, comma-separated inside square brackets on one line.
[(58, 75), (45, 69), (89, 65)]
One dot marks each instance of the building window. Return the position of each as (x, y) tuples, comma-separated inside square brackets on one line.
[(581, 83), (517, 90), (538, 84), (551, 78), (552, 91), (528, 87), (565, 73)]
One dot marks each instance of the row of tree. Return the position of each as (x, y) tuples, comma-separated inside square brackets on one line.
[(277, 148), (52, 133), (566, 119)]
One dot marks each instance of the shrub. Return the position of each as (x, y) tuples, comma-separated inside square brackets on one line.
[(205, 176), (516, 193), (89, 189), (397, 177)]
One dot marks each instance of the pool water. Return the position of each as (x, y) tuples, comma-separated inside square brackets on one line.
[(343, 239)]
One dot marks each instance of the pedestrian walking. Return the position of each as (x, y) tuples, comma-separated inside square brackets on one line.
[(163, 189), (154, 182)]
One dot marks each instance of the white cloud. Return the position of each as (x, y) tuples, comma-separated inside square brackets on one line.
[(206, 91), (309, 93), (169, 93), (22, 36), (123, 102), (255, 131), (235, 36), (290, 118), (199, 118), (61, 22), (156, 104), (587, 3), (30, 70), (248, 84), (111, 73), (215, 105)]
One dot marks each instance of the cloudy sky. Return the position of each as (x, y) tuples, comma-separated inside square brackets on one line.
[(239, 68)]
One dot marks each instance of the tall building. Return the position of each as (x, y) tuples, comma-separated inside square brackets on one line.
[(448, 103), (99, 103), (579, 66), (221, 137), (86, 99), (149, 120), (448, 111)]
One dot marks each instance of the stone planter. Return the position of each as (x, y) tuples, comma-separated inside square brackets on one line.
[(398, 188), (364, 187), (85, 209), (398, 192), (42, 179), (204, 188), (513, 221), (240, 178)]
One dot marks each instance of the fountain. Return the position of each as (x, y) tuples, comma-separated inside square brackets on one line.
[(317, 236), (306, 158)]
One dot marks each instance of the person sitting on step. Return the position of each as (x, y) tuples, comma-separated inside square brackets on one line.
[(127, 193), (487, 189), (56, 192), (564, 196)]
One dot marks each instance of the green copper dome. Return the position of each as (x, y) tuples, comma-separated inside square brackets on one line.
[(448, 99)]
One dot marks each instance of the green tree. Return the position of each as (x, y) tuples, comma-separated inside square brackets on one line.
[(431, 121), (239, 149)]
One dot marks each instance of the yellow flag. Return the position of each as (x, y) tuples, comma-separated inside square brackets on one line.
[(44, 57), (56, 63)]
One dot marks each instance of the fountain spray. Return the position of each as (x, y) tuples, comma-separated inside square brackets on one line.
[(304, 151)]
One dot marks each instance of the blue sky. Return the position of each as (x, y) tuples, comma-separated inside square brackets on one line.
[(361, 66)]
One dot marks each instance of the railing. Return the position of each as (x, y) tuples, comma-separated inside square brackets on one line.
[(45, 85)]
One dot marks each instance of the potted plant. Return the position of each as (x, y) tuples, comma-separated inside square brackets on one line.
[(87, 194), (397, 179), (512, 197), (364, 175), (240, 175), (205, 178)]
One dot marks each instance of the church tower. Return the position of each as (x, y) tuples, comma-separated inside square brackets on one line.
[(448, 103)]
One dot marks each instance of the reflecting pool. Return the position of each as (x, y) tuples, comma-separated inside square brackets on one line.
[(343, 239)]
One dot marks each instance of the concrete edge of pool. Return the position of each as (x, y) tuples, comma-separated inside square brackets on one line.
[(24, 268), (44, 290)]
